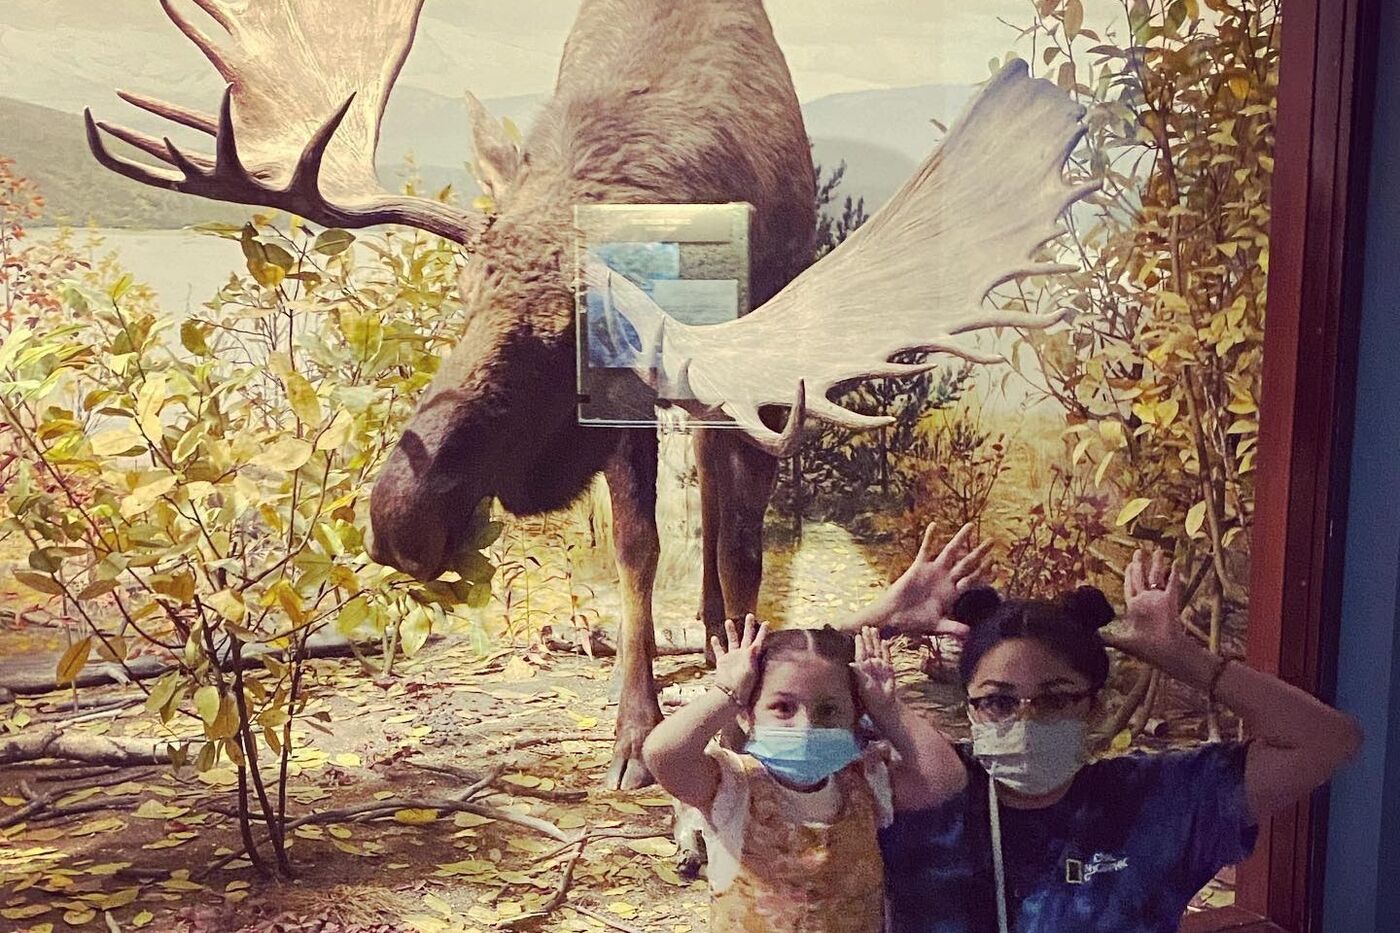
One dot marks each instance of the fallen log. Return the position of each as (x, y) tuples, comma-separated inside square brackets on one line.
[(36, 674), (689, 640), (80, 746)]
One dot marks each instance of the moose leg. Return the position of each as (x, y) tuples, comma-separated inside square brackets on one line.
[(711, 591), (631, 476), (736, 482)]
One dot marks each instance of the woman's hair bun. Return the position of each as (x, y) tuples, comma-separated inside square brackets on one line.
[(1088, 606), (975, 605)]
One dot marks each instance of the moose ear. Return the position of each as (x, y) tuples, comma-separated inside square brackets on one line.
[(975, 606), (497, 154), (1088, 606)]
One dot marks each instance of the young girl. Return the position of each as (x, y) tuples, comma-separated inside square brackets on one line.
[(791, 822)]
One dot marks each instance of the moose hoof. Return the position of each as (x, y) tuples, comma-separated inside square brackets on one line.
[(627, 771), (713, 630)]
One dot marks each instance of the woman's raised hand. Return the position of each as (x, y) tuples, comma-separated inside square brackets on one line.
[(1151, 626), (736, 663), (922, 597)]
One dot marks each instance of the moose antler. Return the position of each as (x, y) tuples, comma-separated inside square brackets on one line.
[(299, 122), (910, 280)]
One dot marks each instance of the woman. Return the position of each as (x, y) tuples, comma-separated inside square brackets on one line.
[(1037, 839)]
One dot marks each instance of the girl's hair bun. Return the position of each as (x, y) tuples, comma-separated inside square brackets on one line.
[(1088, 606), (975, 605)]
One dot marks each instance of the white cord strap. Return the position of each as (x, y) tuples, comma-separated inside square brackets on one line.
[(998, 866)]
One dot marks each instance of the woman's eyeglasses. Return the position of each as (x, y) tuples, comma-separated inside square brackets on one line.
[(999, 707)]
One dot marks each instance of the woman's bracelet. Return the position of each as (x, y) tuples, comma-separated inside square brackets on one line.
[(729, 692)]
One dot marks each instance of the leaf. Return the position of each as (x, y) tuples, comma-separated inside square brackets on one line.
[(226, 604), (1103, 468), (117, 442), (286, 453), (147, 493), (333, 242), (518, 669), (415, 816), (266, 274), (1131, 511), (113, 649), (155, 810), (1195, 518), (1066, 76), (305, 405), (39, 581), (352, 615), (193, 337), (25, 912), (1074, 18), (1122, 741), (414, 631), (364, 332), (225, 724), (120, 287), (206, 703), (657, 847), (73, 661), (337, 432), (149, 402), (96, 589), (163, 691)]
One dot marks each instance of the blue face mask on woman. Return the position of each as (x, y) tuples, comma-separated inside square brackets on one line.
[(802, 757)]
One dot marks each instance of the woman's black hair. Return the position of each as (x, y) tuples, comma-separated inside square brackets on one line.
[(825, 642), (1067, 626)]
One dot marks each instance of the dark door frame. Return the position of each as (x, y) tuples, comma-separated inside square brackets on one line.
[(1326, 92)]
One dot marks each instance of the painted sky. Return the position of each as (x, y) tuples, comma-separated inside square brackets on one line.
[(67, 53)]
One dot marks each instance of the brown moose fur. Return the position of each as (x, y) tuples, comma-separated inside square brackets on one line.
[(684, 101)]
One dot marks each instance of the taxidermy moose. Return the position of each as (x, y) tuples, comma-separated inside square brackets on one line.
[(657, 101)]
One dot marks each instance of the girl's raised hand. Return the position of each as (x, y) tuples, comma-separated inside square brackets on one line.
[(874, 673), (736, 664)]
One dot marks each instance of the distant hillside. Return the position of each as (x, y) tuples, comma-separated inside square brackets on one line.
[(882, 136), (50, 147)]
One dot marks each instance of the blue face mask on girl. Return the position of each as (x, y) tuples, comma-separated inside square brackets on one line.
[(802, 757)]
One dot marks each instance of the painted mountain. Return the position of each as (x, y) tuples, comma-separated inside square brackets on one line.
[(881, 136)]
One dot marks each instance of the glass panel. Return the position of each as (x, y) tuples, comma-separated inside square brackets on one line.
[(1131, 421)]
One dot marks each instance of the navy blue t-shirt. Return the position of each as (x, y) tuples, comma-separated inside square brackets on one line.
[(1124, 851)]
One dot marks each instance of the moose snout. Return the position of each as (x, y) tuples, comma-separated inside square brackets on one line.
[(422, 559), (407, 531)]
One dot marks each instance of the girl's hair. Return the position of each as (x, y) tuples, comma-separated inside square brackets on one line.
[(1067, 626), (825, 642)]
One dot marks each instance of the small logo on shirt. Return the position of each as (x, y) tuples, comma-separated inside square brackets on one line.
[(1078, 871)]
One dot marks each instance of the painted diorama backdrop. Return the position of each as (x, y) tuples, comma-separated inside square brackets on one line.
[(1132, 421)]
